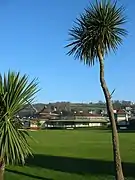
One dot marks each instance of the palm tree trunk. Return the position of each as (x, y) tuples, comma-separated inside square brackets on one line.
[(2, 169), (115, 140)]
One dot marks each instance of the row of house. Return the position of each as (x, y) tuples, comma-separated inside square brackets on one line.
[(46, 119)]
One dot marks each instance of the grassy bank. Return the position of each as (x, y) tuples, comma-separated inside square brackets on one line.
[(74, 155)]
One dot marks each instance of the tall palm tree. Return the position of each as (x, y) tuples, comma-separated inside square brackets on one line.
[(98, 31), (15, 92)]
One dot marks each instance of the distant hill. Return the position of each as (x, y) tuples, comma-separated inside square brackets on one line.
[(61, 106), (29, 111), (71, 107)]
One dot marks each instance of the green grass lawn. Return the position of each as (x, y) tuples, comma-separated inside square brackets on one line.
[(74, 155)]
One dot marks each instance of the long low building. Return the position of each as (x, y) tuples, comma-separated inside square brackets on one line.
[(77, 120), (75, 123)]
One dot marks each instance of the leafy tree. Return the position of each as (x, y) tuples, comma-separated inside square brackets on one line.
[(15, 92), (98, 31), (38, 124)]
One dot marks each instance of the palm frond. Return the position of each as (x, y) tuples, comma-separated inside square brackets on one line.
[(15, 91), (101, 24)]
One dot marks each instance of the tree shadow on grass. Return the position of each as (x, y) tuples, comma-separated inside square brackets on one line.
[(28, 175), (78, 165), (126, 131)]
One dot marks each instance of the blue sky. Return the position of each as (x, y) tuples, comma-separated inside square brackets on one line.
[(33, 34)]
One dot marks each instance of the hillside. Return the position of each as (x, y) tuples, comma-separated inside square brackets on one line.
[(71, 107)]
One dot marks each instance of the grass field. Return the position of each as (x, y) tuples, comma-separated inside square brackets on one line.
[(74, 155)]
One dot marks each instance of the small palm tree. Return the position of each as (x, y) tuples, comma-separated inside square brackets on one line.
[(15, 92), (95, 34)]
